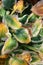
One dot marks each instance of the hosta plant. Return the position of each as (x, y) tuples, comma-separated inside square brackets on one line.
[(21, 34)]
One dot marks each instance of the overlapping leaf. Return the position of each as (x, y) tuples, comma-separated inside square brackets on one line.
[(12, 22), (8, 4), (36, 27), (17, 61), (23, 19), (18, 6), (2, 11), (37, 39), (22, 35), (35, 58), (3, 30), (41, 32), (10, 44)]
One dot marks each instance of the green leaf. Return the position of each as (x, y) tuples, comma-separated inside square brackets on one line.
[(8, 3), (39, 48), (2, 12), (32, 17), (41, 32), (37, 39), (35, 58), (10, 44), (36, 27), (23, 19), (22, 35), (17, 61), (12, 22)]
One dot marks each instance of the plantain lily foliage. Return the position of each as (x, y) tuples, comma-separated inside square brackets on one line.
[(10, 44), (3, 30), (12, 22), (36, 27), (16, 61), (21, 32), (22, 35)]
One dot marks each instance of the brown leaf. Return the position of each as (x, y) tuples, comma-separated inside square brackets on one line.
[(38, 8)]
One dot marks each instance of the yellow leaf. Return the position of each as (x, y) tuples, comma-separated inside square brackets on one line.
[(18, 6), (3, 29)]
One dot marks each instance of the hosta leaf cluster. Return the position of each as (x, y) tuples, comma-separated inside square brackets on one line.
[(21, 35)]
